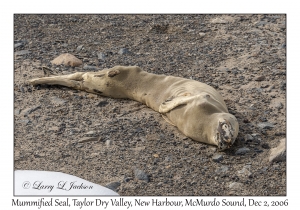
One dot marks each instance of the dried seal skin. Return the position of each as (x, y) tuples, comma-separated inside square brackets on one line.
[(67, 60)]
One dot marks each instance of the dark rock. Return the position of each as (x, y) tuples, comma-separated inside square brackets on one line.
[(90, 68), (18, 45), (102, 103), (101, 56), (123, 51), (260, 78), (242, 151), (22, 52), (265, 146), (217, 158), (265, 125), (248, 137), (141, 175), (113, 186), (127, 179)]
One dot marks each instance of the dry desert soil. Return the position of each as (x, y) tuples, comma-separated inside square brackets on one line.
[(125, 145)]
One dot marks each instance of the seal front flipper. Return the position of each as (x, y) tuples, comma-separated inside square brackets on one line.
[(172, 103)]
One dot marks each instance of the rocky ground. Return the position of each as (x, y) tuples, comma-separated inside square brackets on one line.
[(124, 144)]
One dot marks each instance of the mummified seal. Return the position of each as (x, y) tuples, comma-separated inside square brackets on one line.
[(197, 109)]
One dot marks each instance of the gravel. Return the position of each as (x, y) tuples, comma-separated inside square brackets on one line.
[(235, 50)]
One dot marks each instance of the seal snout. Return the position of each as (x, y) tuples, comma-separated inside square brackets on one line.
[(225, 134)]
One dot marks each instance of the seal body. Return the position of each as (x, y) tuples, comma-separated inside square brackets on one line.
[(197, 109)]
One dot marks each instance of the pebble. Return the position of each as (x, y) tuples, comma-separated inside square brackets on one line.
[(113, 186), (101, 103), (20, 44), (22, 52), (235, 185), (123, 51), (217, 158), (248, 137), (260, 78), (108, 143), (127, 179), (278, 153), (219, 20), (87, 139), (57, 101), (242, 151), (17, 111), (90, 68), (245, 171), (90, 133), (101, 56), (28, 111), (222, 169), (265, 125), (141, 175), (25, 121), (278, 105), (79, 48), (202, 35)]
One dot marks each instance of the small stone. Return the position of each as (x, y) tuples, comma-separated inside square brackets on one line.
[(79, 48), (101, 56), (25, 121), (217, 158), (260, 78), (219, 20), (87, 139), (17, 111), (278, 153), (235, 186), (278, 105), (141, 175), (102, 103), (127, 179), (20, 44), (261, 23), (242, 151), (22, 52), (245, 172), (123, 51), (108, 143), (90, 68), (265, 146), (248, 137), (57, 101), (67, 60), (222, 169), (54, 128), (265, 125), (90, 133), (202, 35), (113, 186), (28, 111)]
